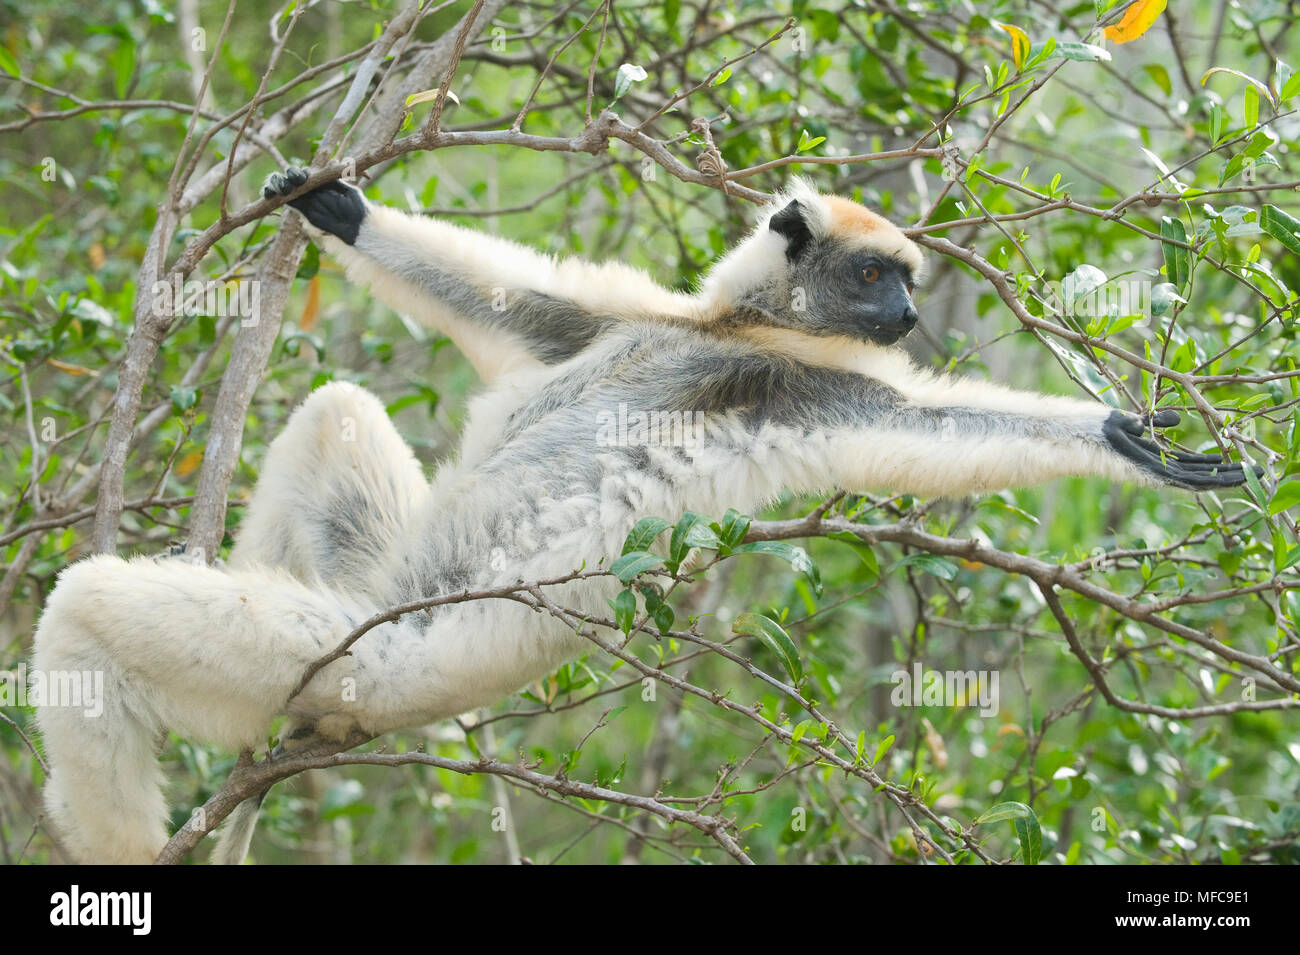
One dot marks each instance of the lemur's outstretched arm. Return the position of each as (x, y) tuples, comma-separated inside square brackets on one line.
[(505, 306), (898, 428)]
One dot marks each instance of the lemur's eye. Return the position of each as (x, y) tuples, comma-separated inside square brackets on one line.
[(911, 287), (871, 273)]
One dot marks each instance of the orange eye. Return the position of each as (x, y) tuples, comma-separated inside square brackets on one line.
[(910, 288), (871, 273)]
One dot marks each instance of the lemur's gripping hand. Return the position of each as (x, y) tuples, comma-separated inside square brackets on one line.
[(1192, 471), (335, 207)]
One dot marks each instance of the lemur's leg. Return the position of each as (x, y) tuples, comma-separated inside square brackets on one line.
[(336, 495), (505, 306), (210, 653), (213, 654)]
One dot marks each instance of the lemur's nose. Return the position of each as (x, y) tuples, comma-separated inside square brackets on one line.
[(910, 317)]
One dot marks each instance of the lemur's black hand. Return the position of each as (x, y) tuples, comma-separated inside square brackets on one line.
[(335, 207), (1193, 471)]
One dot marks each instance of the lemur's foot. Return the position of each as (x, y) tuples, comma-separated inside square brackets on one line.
[(295, 736), (1124, 432), (333, 207)]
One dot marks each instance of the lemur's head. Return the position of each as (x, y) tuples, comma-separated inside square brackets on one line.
[(823, 265)]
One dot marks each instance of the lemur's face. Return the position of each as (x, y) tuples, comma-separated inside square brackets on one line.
[(864, 294), (853, 278)]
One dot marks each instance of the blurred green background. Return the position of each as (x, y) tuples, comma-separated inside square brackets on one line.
[(850, 78)]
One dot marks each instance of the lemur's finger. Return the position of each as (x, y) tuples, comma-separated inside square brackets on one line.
[(1164, 418), (1194, 472), (333, 207), (283, 183), (1189, 457)]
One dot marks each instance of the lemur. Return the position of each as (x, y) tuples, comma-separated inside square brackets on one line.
[(784, 350)]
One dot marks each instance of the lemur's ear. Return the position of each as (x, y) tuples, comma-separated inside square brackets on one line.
[(790, 223)]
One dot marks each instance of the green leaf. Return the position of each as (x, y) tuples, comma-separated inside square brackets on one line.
[(183, 398), (1164, 297), (644, 534), (1160, 76), (291, 344), (672, 9), (940, 567), (807, 142), (1000, 504), (8, 63), (734, 527), (1254, 83), (310, 263), (1083, 281), (628, 74), (1003, 810), (861, 548), (1178, 260), (1031, 838), (797, 558), (627, 567), (1252, 482), (1250, 105), (625, 610), (1290, 86), (700, 534), (1281, 226), (1287, 496), (885, 745), (1073, 50), (122, 60), (663, 617), (1025, 823), (679, 546), (344, 799), (777, 640)]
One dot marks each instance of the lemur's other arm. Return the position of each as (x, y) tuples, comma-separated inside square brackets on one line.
[(505, 306), (913, 432)]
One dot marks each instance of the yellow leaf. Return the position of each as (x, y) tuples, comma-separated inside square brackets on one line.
[(1136, 21), (312, 309), (934, 742), (1019, 44), (97, 256), (65, 367), (189, 463), (426, 96)]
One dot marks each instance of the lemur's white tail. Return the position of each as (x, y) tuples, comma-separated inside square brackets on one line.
[(104, 797), (237, 833)]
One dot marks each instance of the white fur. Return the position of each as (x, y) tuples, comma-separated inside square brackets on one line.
[(213, 654)]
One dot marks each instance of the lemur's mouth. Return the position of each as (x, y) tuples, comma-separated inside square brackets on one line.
[(880, 335)]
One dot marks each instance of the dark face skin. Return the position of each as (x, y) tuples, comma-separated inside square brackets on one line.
[(838, 289), (860, 294)]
